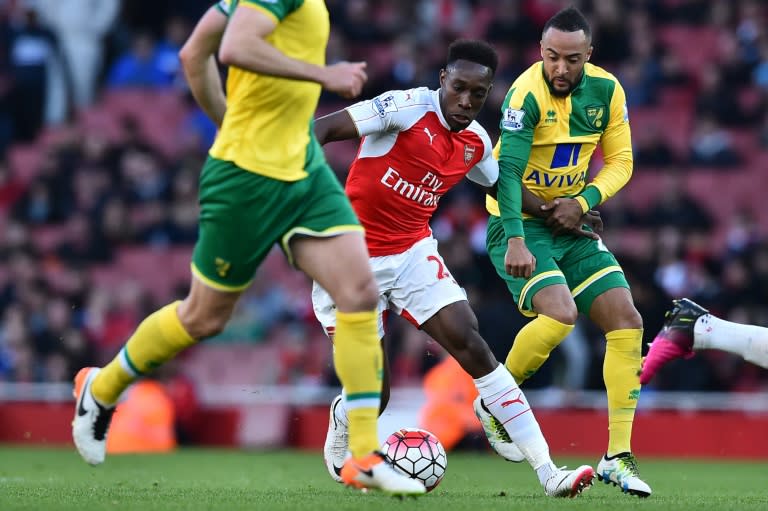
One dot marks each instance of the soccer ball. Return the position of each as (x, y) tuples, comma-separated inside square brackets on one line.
[(418, 454)]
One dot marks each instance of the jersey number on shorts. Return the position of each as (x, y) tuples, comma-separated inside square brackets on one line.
[(441, 271)]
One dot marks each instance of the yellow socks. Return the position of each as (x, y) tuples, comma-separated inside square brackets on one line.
[(157, 339), (538, 338), (622, 382), (358, 359), (533, 344)]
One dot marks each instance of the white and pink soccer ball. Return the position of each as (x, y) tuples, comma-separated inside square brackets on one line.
[(418, 454)]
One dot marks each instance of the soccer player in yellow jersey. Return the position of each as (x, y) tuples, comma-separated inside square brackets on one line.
[(266, 181), (554, 116)]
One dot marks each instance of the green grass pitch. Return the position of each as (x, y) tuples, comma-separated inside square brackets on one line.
[(193, 479)]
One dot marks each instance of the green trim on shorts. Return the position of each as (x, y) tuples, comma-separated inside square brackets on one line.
[(586, 266), (594, 278), (534, 284), (596, 285), (303, 231), (215, 285)]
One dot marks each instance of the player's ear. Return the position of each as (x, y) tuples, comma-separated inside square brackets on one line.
[(443, 72), (589, 52)]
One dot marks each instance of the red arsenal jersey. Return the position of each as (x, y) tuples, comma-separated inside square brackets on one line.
[(408, 158)]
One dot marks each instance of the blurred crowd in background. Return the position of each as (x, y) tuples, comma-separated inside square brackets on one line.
[(101, 146)]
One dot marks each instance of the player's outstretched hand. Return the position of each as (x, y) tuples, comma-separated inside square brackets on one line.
[(345, 78), (518, 261)]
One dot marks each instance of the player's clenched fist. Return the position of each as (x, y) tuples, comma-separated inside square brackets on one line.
[(345, 78), (518, 261)]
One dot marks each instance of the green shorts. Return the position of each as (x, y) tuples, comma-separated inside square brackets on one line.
[(584, 265), (243, 215)]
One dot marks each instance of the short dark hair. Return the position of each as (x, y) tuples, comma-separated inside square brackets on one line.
[(569, 19), (475, 51)]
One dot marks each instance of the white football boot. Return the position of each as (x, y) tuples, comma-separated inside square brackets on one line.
[(91, 422), (336, 442), (622, 471), (569, 483)]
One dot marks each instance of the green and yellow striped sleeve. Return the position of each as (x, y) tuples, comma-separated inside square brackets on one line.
[(616, 144), (519, 117)]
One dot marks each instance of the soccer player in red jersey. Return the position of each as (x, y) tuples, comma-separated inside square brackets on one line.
[(416, 144)]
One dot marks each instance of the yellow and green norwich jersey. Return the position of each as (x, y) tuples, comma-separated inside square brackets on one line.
[(547, 141), (267, 125)]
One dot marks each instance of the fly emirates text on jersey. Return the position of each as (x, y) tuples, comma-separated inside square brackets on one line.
[(424, 193)]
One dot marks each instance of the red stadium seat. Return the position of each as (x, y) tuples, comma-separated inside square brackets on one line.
[(642, 189), (724, 193), (677, 97), (158, 271), (674, 120), (158, 113), (744, 142), (680, 39), (106, 276), (102, 121), (47, 238), (630, 240), (233, 363), (482, 18), (380, 59), (25, 161)]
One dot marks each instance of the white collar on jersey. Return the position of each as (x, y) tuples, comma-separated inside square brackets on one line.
[(436, 102)]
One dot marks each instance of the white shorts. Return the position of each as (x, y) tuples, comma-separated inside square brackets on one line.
[(414, 284)]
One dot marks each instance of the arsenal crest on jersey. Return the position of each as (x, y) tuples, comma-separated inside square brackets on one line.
[(469, 154)]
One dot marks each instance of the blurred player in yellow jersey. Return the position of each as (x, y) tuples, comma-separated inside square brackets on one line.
[(266, 181), (554, 116)]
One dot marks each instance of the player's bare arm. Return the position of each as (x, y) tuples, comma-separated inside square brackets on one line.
[(336, 126), (198, 59), (244, 45)]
